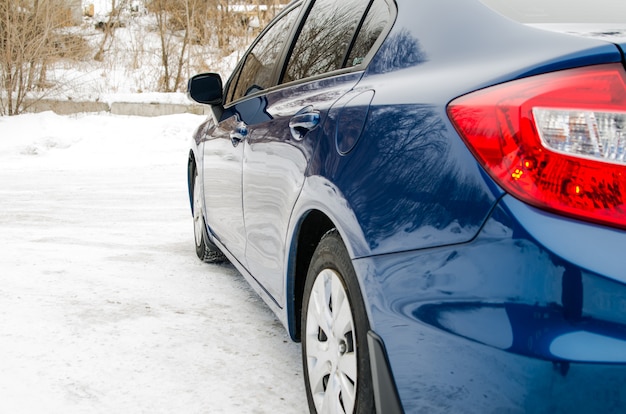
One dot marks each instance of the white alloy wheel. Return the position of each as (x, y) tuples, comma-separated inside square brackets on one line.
[(331, 351), (198, 220)]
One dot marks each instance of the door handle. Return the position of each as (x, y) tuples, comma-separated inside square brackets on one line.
[(238, 134), (301, 123)]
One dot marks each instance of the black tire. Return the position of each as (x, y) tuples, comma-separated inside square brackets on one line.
[(205, 249), (335, 355)]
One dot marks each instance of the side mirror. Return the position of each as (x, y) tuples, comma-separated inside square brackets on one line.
[(206, 88)]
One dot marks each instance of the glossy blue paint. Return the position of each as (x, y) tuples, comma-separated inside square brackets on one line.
[(439, 52), (221, 170), (433, 192), (274, 168), (514, 327), (351, 114), (483, 303)]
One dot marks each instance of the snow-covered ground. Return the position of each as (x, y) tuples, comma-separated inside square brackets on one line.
[(104, 307)]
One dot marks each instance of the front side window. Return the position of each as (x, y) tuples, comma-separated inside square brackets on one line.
[(258, 69), (323, 43)]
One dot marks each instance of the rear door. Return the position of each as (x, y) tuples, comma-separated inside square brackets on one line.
[(224, 148), (324, 64)]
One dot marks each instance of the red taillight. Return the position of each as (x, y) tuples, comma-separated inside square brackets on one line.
[(556, 141)]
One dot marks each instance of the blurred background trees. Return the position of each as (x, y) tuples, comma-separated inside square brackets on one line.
[(226, 24), (31, 41), (35, 35)]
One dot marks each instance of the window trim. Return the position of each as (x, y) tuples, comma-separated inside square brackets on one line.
[(356, 33)]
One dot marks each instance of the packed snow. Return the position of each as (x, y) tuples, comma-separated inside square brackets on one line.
[(104, 307)]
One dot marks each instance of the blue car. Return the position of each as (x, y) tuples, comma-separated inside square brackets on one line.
[(431, 196)]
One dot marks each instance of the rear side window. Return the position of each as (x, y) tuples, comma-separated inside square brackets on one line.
[(375, 21), (325, 38), (258, 69)]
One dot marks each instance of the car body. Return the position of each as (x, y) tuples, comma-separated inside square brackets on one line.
[(438, 168)]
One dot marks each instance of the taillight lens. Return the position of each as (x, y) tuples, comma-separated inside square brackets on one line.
[(556, 141)]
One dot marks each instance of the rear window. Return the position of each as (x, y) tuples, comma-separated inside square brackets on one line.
[(561, 11)]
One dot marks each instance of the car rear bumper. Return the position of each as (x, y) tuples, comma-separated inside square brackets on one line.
[(530, 316)]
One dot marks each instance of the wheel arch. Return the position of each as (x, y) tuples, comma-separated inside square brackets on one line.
[(312, 227), (191, 171), (321, 207)]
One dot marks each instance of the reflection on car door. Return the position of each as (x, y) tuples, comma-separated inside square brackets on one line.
[(222, 185), (274, 167)]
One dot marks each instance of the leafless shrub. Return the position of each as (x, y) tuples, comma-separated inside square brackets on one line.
[(71, 46), (27, 29), (108, 27)]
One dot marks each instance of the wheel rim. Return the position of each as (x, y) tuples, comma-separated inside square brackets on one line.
[(331, 345), (198, 220)]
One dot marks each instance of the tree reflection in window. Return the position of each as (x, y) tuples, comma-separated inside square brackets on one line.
[(325, 38), (258, 69), (373, 25)]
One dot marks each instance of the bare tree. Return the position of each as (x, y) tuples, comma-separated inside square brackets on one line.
[(30, 40), (179, 24), (167, 15), (109, 26)]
